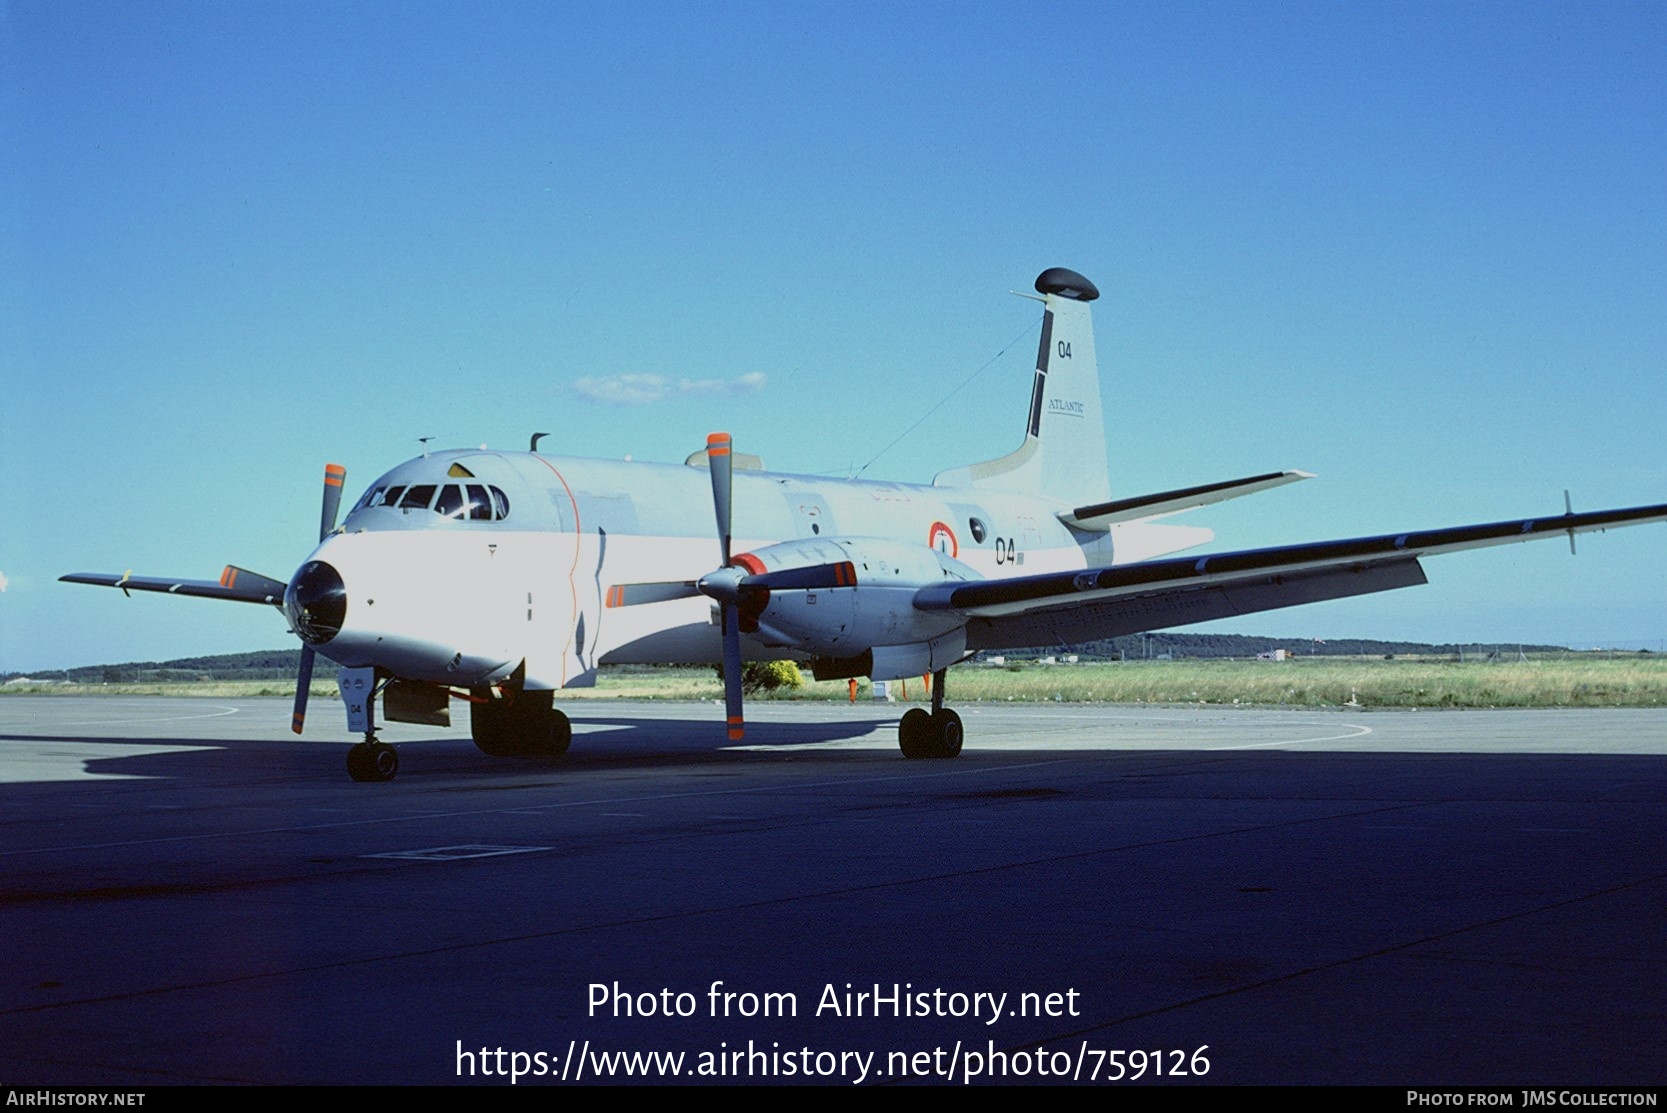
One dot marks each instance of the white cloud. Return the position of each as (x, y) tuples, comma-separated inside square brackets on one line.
[(2, 581), (641, 390)]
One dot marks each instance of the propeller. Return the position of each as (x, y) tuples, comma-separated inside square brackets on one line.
[(740, 585), (335, 476), (724, 584)]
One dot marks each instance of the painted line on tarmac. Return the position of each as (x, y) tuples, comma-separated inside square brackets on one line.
[(1359, 732)]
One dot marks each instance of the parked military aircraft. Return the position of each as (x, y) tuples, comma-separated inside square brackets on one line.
[(503, 577)]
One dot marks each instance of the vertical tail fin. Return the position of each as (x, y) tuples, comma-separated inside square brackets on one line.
[(1063, 456)]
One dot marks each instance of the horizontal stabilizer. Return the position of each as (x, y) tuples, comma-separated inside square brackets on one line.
[(236, 584), (1103, 515)]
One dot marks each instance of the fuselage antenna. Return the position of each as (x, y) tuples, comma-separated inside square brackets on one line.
[(533, 447)]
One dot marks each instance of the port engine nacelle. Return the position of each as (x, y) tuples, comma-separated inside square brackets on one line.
[(858, 618)]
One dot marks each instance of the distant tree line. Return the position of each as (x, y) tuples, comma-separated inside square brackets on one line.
[(1135, 647), (271, 664), (282, 664)]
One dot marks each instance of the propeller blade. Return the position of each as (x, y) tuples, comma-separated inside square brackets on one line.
[(840, 574), (722, 467), (732, 671), (334, 476), (631, 595), (303, 684), (723, 477)]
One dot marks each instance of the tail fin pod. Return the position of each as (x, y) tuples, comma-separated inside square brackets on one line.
[(1063, 455)]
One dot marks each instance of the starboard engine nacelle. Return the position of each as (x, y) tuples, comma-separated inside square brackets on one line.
[(859, 618)]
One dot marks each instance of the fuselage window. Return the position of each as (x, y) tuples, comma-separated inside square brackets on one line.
[(373, 497), (500, 504), (417, 497), (450, 502), (391, 498)]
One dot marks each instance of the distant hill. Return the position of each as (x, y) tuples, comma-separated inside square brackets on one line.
[(282, 664)]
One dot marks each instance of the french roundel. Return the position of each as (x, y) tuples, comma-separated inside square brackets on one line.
[(942, 538)]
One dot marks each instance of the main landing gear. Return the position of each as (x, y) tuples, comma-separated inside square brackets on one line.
[(937, 734), (524, 724)]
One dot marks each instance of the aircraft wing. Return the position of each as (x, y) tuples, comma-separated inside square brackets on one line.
[(237, 584), (1068, 607)]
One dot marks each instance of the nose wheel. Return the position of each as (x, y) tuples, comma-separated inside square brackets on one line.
[(372, 760)]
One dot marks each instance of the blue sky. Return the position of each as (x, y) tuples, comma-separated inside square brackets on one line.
[(1415, 248)]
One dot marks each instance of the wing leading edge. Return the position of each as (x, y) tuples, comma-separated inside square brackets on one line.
[(1066, 607), (236, 584)]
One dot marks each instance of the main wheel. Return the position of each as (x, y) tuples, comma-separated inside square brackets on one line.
[(527, 726), (914, 733), (946, 734), (560, 733)]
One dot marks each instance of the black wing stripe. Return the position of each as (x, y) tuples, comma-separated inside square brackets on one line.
[(1059, 588)]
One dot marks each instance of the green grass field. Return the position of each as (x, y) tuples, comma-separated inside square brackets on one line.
[(1572, 681)]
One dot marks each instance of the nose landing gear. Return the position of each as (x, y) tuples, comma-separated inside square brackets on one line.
[(372, 759)]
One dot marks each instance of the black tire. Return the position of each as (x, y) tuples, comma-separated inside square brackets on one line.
[(492, 726), (560, 732), (914, 733), (358, 762), (527, 726), (383, 762), (947, 734), (372, 761)]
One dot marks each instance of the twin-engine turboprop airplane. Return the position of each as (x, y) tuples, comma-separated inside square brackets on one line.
[(502, 577)]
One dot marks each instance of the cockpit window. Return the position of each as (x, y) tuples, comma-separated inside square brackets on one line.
[(480, 504), (417, 497), (472, 502), (450, 501)]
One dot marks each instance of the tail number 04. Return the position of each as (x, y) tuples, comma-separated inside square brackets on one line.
[(1007, 551)]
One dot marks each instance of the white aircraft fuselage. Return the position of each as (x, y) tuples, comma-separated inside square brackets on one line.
[(453, 600)]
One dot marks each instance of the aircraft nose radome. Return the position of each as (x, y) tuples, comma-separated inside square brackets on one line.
[(316, 602)]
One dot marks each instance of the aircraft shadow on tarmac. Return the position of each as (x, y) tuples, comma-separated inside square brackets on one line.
[(624, 743)]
